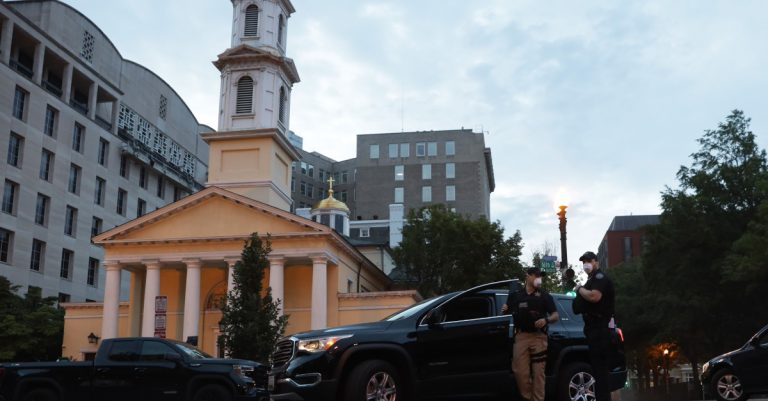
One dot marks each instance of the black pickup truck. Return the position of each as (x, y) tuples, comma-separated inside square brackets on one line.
[(458, 345), (130, 369)]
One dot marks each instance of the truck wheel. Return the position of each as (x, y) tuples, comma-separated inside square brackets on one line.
[(576, 383), (40, 394), (726, 386), (374, 380), (212, 392)]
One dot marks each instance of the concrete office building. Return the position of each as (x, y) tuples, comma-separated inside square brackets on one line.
[(91, 140)]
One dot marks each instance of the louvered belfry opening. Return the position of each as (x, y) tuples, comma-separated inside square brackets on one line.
[(251, 21), (281, 111), (244, 95)]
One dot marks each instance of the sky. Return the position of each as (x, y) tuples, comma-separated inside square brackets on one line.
[(600, 100)]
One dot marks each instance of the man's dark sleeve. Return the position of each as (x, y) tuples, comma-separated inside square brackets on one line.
[(603, 285), (510, 302), (550, 304)]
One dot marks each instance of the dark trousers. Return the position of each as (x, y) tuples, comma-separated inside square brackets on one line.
[(599, 342)]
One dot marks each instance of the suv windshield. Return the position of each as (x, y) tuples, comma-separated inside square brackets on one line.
[(412, 310), (192, 352)]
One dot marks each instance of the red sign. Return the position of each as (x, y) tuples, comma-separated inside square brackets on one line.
[(161, 318)]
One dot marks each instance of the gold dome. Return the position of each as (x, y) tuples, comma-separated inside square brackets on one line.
[(331, 203)]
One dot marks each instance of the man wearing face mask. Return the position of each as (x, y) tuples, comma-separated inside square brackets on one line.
[(596, 302), (533, 310)]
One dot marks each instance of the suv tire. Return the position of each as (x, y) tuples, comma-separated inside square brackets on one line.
[(576, 383), (726, 386), (40, 394), (212, 392), (374, 380)]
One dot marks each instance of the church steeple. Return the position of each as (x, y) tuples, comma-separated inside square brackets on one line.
[(250, 153)]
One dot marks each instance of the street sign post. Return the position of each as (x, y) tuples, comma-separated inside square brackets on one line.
[(161, 315)]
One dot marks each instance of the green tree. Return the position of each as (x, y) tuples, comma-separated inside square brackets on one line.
[(31, 327), (251, 322), (442, 251)]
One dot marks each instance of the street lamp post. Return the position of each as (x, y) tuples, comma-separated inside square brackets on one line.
[(563, 245), (666, 369)]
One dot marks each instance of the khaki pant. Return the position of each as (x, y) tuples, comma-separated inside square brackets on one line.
[(528, 362)]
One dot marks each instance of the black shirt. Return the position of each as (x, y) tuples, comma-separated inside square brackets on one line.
[(600, 312), (528, 308)]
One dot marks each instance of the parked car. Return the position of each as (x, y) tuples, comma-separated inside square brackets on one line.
[(457, 345), (738, 374), (130, 369)]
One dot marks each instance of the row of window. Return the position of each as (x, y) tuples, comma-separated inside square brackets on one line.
[(308, 189), (339, 177), (403, 150), (37, 258), (426, 194), (426, 171)]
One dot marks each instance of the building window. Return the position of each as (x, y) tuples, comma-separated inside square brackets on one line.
[(87, 50), (450, 193), (64, 298), (93, 271), (46, 165), (304, 168), (41, 210), (303, 188), (432, 149), (143, 177), (67, 257), (70, 221), (10, 196), (293, 184), (78, 133), (311, 170), (103, 151), (374, 151), (163, 110), (74, 179), (399, 195), (141, 207), (251, 21), (6, 244), (399, 173), (310, 191), (321, 175), (280, 29), (627, 249), (405, 150), (38, 250), (160, 190), (125, 166), (343, 196), (450, 148), (177, 193), (365, 232), (50, 121), (96, 224), (421, 149), (98, 195), (281, 109), (426, 194), (15, 150), (244, 95), (450, 170), (393, 150), (20, 103), (426, 171), (122, 196), (344, 177)]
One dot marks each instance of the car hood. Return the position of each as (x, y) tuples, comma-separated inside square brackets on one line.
[(344, 330), (225, 361)]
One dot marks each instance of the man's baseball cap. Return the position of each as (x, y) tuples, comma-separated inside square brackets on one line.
[(589, 255), (535, 271)]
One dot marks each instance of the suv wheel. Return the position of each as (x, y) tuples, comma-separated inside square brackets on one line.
[(726, 386), (576, 383), (374, 380)]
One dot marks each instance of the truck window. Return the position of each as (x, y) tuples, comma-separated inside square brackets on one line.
[(467, 308), (124, 351), (155, 351), (565, 306)]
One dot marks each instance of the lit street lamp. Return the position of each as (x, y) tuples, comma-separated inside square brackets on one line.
[(666, 369)]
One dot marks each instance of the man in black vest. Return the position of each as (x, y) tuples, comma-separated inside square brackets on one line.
[(595, 300)]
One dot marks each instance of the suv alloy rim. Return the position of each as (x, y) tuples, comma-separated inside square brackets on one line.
[(729, 387), (582, 387), (381, 387)]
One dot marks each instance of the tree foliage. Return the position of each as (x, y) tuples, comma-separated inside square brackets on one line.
[(442, 251), (251, 322), (31, 327)]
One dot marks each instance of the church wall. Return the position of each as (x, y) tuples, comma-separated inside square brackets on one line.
[(298, 297), (82, 319), (373, 306)]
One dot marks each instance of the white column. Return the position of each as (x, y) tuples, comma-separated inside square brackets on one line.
[(5, 45), (151, 291), (93, 91), (277, 280), (319, 292), (66, 83), (231, 262), (37, 68), (111, 311), (192, 299)]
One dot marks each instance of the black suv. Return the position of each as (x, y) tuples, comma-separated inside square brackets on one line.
[(457, 345), (738, 374)]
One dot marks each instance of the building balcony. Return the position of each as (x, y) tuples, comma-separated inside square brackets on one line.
[(21, 69), (79, 106), (103, 123), (53, 89)]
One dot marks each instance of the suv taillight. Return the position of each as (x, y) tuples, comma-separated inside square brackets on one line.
[(2, 373), (621, 334)]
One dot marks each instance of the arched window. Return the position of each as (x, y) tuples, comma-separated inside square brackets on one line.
[(244, 95), (280, 29), (281, 110), (251, 21)]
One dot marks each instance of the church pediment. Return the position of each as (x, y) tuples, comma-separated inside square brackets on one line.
[(210, 213)]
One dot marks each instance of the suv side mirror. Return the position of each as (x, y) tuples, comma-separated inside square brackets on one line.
[(435, 317)]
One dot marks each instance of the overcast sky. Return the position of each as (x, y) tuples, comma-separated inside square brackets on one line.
[(603, 99)]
